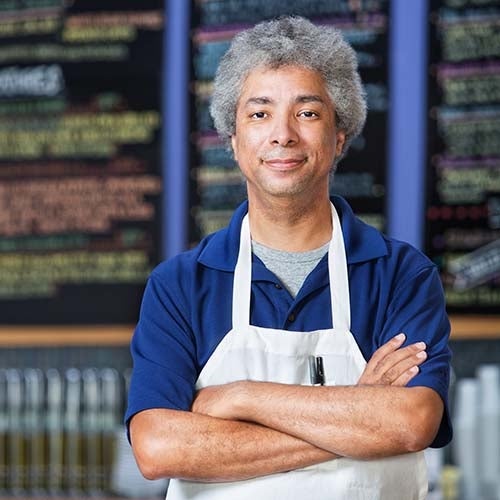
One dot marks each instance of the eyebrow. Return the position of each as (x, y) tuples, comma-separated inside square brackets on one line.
[(258, 100), (300, 99), (309, 98)]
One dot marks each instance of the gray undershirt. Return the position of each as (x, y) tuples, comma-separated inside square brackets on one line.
[(292, 268)]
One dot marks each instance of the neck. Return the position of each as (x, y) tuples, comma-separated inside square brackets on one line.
[(287, 225)]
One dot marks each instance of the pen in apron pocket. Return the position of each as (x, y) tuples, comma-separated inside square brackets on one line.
[(316, 370)]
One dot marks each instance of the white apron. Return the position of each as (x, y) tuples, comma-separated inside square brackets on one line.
[(262, 354)]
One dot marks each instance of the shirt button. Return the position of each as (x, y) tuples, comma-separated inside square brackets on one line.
[(291, 317), (278, 286)]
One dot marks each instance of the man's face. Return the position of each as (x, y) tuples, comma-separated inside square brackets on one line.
[(286, 139)]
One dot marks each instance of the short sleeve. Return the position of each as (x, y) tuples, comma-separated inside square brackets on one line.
[(417, 308), (163, 350)]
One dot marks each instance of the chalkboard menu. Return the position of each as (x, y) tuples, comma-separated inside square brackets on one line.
[(218, 186), (463, 204), (80, 158)]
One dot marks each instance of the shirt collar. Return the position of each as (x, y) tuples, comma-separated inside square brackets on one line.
[(362, 242)]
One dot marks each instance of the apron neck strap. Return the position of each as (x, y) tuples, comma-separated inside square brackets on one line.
[(339, 280), (337, 270), (242, 282)]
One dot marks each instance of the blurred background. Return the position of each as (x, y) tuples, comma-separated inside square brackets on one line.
[(109, 163)]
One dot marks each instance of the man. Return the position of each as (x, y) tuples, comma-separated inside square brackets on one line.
[(298, 351)]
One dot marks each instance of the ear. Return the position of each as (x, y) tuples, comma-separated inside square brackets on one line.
[(233, 145), (340, 141)]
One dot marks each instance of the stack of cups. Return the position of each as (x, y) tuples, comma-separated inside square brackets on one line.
[(476, 445), (489, 431)]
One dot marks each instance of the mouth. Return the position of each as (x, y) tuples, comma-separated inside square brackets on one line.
[(284, 163)]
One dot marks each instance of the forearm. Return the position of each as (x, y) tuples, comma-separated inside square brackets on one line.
[(169, 443), (352, 421)]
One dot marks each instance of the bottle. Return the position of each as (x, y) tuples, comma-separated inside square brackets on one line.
[(465, 443), (111, 411), (3, 433), (55, 432), (73, 459), (489, 431), (91, 431), (16, 456), (34, 432)]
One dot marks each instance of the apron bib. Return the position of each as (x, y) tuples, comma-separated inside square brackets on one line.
[(248, 352)]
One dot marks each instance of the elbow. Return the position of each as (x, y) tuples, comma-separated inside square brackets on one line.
[(421, 431), (147, 461), (148, 471), (158, 444), (423, 418), (416, 442), (155, 456)]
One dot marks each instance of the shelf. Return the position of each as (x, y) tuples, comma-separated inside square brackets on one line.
[(474, 327), (60, 336), (462, 328)]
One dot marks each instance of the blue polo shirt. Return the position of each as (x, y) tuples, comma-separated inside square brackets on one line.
[(186, 310)]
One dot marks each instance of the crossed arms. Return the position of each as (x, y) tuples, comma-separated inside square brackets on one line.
[(248, 429)]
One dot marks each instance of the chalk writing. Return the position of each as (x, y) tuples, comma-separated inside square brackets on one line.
[(45, 52), (25, 27), (32, 275), (34, 81), (468, 182), (48, 206), (75, 135), (470, 84), (471, 38)]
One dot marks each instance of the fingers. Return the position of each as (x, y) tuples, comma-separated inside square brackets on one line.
[(392, 364), (391, 356), (401, 373), (389, 347), (406, 376), (215, 401)]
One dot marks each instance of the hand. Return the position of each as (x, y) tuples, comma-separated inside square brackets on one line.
[(392, 364), (217, 401)]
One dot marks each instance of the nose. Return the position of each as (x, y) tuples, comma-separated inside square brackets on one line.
[(283, 132)]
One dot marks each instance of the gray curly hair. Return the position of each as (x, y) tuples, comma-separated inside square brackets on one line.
[(291, 40)]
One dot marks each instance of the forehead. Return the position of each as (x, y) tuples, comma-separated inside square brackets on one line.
[(284, 82)]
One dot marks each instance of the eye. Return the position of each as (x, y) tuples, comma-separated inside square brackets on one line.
[(258, 115), (308, 114)]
